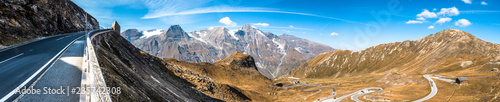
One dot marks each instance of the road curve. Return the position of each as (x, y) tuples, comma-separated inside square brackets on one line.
[(434, 89)]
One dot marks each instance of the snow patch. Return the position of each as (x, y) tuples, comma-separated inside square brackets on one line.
[(201, 35), (280, 46), (232, 32), (260, 32), (299, 49)]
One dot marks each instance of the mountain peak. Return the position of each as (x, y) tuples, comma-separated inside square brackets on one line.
[(450, 34), (247, 27), (174, 32), (221, 28), (174, 27)]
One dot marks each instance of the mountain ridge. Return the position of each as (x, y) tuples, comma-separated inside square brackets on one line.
[(213, 43)]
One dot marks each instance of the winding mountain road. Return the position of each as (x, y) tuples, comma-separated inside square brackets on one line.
[(434, 89)]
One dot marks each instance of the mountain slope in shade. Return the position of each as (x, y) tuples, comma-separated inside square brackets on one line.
[(274, 55), (440, 52)]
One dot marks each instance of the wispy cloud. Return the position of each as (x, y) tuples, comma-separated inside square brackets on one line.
[(414, 22), (467, 1), (479, 11), (443, 20), (484, 3), (261, 24), (164, 8), (296, 28)]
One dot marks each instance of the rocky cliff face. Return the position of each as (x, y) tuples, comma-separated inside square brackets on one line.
[(274, 55), (24, 20), (441, 52)]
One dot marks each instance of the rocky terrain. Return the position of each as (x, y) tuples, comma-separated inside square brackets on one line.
[(233, 78), (274, 55), (144, 77), (398, 68), (24, 20), (140, 76)]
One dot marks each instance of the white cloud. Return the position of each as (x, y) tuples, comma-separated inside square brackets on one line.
[(303, 32), (462, 23), (413, 22), (443, 20), (452, 11), (227, 21), (291, 26), (484, 3), (421, 18), (430, 27), (467, 1), (427, 14), (261, 24), (287, 31), (334, 34)]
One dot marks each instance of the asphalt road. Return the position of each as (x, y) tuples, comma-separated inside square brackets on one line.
[(65, 73), (434, 89), (21, 65)]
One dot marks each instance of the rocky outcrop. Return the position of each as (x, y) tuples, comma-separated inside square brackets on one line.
[(24, 20), (238, 59), (273, 55), (448, 50)]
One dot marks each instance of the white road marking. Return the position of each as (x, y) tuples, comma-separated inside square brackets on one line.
[(36, 73), (11, 58)]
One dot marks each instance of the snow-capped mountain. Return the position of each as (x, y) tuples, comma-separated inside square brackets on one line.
[(274, 55)]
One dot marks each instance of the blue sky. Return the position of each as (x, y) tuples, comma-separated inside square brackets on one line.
[(341, 24)]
